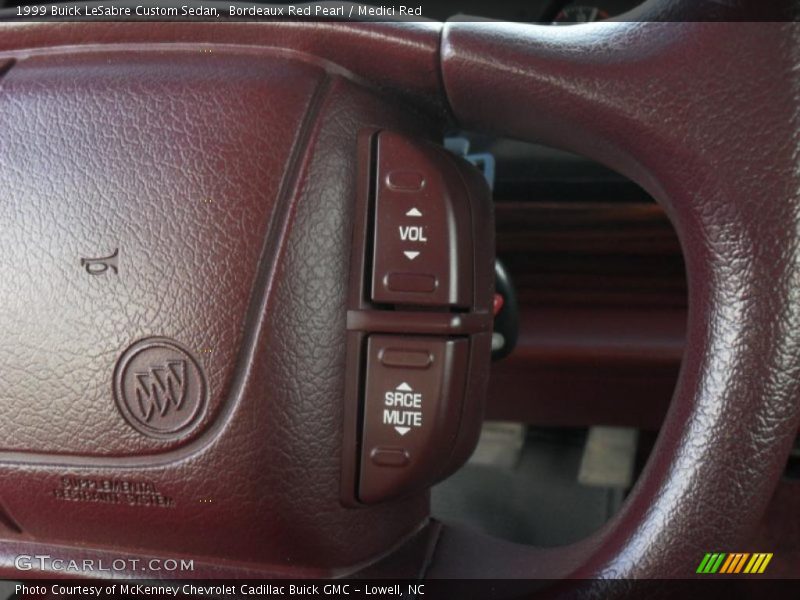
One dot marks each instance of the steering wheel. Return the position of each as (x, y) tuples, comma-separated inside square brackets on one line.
[(194, 293)]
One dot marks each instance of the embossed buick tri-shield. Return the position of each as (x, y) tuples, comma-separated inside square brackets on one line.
[(160, 388)]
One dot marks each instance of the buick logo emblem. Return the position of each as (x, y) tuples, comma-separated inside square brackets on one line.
[(160, 388)]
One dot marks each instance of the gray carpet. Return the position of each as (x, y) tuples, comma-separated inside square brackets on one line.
[(537, 500)]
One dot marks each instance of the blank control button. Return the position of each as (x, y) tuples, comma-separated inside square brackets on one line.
[(390, 457), (405, 181), (411, 282), (405, 359)]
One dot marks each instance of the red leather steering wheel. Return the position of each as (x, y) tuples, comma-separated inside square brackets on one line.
[(222, 162)]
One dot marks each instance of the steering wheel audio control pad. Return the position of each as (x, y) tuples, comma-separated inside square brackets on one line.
[(427, 259)]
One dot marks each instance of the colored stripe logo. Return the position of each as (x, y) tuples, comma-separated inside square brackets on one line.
[(734, 563)]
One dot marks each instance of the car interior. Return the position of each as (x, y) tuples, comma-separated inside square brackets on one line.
[(499, 301)]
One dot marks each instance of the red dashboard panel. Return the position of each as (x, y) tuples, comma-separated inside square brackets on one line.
[(602, 299)]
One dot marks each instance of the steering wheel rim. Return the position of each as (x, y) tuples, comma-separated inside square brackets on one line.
[(640, 97)]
